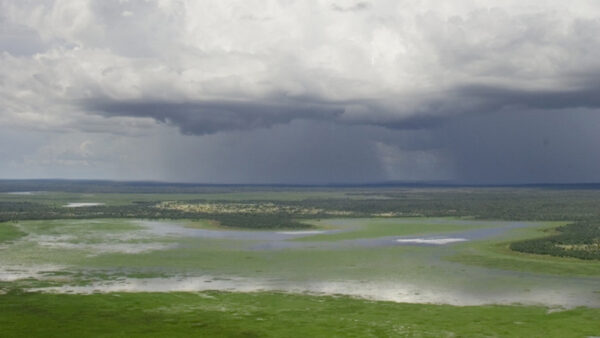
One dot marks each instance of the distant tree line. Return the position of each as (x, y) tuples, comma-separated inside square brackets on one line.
[(579, 240), (501, 204), (14, 211)]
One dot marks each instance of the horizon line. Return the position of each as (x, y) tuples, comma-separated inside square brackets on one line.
[(433, 183)]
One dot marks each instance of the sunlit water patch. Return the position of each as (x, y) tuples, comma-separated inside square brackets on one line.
[(430, 241), (10, 273), (302, 232), (395, 291), (80, 205), (96, 242), (108, 248)]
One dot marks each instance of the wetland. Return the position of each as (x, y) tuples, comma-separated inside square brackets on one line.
[(158, 246)]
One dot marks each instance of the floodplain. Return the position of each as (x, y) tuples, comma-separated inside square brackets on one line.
[(197, 275)]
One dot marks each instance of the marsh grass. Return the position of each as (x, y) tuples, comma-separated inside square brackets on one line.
[(268, 314), (9, 232)]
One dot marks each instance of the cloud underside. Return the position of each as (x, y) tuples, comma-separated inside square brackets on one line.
[(200, 118), (210, 117)]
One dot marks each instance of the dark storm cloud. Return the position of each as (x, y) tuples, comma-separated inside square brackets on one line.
[(207, 117), (490, 98), (414, 122), (210, 117), (472, 99)]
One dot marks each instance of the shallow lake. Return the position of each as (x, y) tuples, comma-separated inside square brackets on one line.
[(139, 255)]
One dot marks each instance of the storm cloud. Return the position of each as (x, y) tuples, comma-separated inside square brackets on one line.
[(301, 91), (212, 116)]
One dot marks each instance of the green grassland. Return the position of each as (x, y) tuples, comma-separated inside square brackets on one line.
[(218, 314)]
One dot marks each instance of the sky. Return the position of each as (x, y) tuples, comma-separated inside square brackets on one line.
[(302, 92)]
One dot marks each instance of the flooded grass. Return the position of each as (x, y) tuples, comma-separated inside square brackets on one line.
[(137, 255), (9, 232)]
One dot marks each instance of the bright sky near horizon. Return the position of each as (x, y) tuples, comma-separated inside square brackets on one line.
[(288, 91)]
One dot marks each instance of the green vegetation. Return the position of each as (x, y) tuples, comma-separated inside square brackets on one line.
[(579, 240), (282, 207), (497, 254), (382, 227), (502, 203), (155, 239), (8, 232), (258, 221), (145, 210), (217, 314), (483, 203), (122, 247)]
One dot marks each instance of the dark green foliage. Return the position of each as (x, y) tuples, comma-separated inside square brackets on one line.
[(579, 240), (482, 203), (11, 211), (257, 221)]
